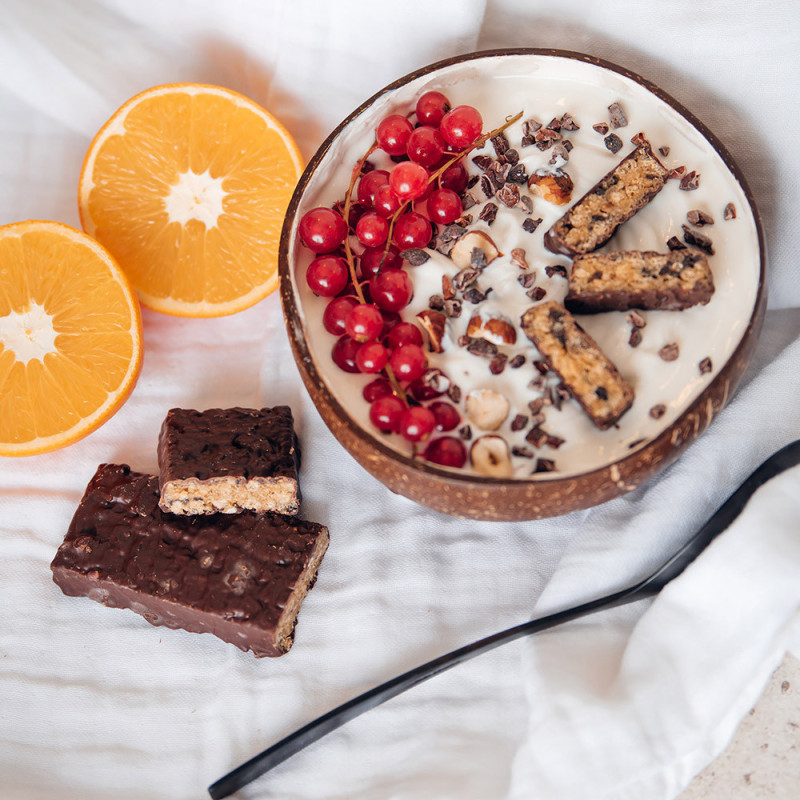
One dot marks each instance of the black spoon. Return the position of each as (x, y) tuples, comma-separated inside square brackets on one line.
[(784, 459)]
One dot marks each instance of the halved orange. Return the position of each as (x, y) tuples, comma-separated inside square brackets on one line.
[(70, 336), (187, 186)]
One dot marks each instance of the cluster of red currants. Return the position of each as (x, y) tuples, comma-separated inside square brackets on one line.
[(393, 213)]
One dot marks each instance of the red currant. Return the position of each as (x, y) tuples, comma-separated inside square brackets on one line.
[(408, 180), (369, 185), (426, 146), (404, 333), (393, 133), (447, 451), (391, 290), (371, 357), (454, 177), (447, 417), (380, 387), (322, 230), (390, 320), (444, 206), (364, 323), (424, 390), (371, 260), (327, 275), (461, 126), (372, 229), (431, 107), (412, 230), (408, 362), (417, 423), (335, 313), (387, 202), (385, 413), (344, 354)]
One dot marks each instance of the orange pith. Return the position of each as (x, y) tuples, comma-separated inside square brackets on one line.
[(233, 164), (70, 337)]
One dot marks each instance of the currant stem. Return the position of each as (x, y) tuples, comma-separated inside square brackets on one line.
[(351, 264)]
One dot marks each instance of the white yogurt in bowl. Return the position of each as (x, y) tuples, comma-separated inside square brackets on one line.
[(544, 86)]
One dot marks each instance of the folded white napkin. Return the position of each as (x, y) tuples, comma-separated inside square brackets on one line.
[(97, 704)]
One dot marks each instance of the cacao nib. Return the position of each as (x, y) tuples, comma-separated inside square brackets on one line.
[(468, 201), (463, 278), (482, 162), (537, 383), (519, 422), (508, 195), (526, 203), (517, 174), (639, 139), (658, 411), (678, 172), (537, 293), (454, 393), (556, 269), (526, 280), (415, 256), (448, 290), (568, 123), (482, 347), (475, 295), (517, 361), (536, 405), (530, 126), (472, 181), (518, 258), (705, 366), (536, 437), (530, 225), (697, 239), (636, 319), (613, 142), (487, 187), (436, 302), (498, 363), (690, 181), (512, 157), (488, 213), (544, 465), (541, 367), (670, 352), (729, 212), (635, 338), (452, 308), (699, 218), (664, 150), (601, 128), (477, 259), (465, 432), (616, 116), (674, 243), (521, 452), (500, 143)]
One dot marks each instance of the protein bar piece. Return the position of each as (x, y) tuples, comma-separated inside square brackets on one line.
[(629, 279), (228, 460), (241, 577), (576, 358), (591, 222)]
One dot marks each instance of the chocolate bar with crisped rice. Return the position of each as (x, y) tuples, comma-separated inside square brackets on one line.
[(575, 357), (241, 577), (228, 460), (648, 280), (591, 222)]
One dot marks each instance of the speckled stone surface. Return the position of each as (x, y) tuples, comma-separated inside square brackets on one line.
[(763, 760)]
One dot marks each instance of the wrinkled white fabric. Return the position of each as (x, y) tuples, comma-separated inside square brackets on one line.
[(97, 704)]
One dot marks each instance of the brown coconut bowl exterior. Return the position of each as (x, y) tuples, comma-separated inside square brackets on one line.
[(508, 499)]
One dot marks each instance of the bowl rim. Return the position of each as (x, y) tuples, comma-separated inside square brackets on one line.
[(294, 324)]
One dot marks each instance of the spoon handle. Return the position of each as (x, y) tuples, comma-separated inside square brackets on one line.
[(788, 457)]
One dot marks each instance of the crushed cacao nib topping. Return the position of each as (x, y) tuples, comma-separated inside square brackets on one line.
[(636, 319), (537, 293), (508, 195), (465, 432), (464, 220), (527, 280), (517, 361), (482, 162), (544, 465), (475, 295), (447, 237), (567, 145), (568, 123), (635, 338), (463, 340), (639, 139), (500, 143), (601, 128), (367, 166), (512, 157), (468, 201), (542, 368), (537, 383), (521, 452), (616, 116), (527, 204), (536, 437), (674, 243), (697, 239), (448, 290), (498, 363), (530, 225), (477, 259), (518, 258), (677, 172), (517, 174), (415, 256), (454, 393), (560, 155), (705, 366), (530, 126), (527, 140), (670, 352), (482, 348), (553, 441), (658, 411), (537, 419), (488, 187), (635, 443), (452, 308), (463, 278), (556, 269), (699, 218), (554, 124), (690, 181), (664, 150), (563, 393), (488, 213), (435, 380), (536, 405), (436, 302), (729, 212), (472, 181), (613, 142), (499, 172), (546, 135), (519, 422)]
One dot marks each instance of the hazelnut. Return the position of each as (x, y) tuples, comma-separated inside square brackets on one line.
[(487, 409), (554, 187), (494, 329), (489, 456), (462, 250), (433, 322)]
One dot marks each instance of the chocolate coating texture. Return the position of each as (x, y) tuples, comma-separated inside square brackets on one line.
[(228, 442), (233, 575)]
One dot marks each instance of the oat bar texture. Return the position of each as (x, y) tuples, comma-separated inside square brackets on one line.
[(228, 460), (639, 279), (591, 222), (241, 577), (576, 358)]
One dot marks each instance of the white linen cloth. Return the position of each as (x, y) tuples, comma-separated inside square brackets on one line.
[(96, 704)]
